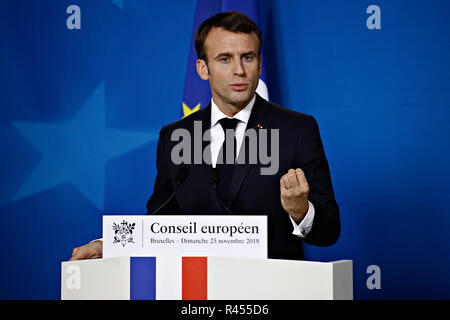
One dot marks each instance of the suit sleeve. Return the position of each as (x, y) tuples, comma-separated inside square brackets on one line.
[(163, 188), (311, 159)]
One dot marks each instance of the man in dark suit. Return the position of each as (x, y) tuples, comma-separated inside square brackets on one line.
[(297, 196)]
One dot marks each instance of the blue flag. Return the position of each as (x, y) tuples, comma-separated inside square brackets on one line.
[(197, 93)]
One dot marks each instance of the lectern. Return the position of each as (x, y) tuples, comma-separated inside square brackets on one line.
[(201, 278)]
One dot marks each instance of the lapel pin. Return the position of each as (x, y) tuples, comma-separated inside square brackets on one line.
[(259, 126)]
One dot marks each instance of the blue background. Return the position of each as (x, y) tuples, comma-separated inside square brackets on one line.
[(80, 113)]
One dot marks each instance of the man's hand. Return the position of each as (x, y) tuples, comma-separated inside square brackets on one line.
[(294, 194), (92, 250)]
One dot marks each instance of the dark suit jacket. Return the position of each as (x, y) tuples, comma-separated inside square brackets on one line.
[(250, 192)]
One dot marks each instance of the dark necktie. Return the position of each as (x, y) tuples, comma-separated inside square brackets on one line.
[(225, 170)]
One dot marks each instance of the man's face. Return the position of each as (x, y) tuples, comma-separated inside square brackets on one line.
[(233, 67)]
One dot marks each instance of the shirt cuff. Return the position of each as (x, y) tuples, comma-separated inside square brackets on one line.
[(99, 239), (304, 227)]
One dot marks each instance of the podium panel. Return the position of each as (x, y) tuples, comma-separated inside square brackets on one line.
[(201, 278)]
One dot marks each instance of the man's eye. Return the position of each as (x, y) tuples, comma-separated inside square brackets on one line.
[(248, 58), (224, 59)]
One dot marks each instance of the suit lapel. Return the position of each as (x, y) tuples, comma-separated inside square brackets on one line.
[(258, 118), (204, 115)]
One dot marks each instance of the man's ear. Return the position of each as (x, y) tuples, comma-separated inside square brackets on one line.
[(202, 69)]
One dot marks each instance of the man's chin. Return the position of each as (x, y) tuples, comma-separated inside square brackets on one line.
[(241, 98)]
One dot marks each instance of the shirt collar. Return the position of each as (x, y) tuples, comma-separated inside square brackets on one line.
[(243, 115)]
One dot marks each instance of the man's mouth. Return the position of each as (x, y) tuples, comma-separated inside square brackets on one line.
[(239, 86)]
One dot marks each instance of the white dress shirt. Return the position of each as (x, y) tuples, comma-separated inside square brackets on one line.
[(217, 139)]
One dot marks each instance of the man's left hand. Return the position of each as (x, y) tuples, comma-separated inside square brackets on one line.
[(294, 191)]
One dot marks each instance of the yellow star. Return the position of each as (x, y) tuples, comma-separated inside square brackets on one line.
[(187, 111)]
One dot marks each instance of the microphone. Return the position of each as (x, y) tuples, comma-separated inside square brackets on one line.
[(213, 180), (180, 178)]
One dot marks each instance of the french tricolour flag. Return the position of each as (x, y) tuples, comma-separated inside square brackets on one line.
[(168, 278)]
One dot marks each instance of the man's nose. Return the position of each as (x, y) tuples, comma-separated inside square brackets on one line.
[(238, 68)]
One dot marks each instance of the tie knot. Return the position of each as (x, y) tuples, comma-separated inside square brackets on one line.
[(227, 123)]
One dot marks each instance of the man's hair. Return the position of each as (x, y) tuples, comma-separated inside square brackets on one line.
[(233, 21)]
